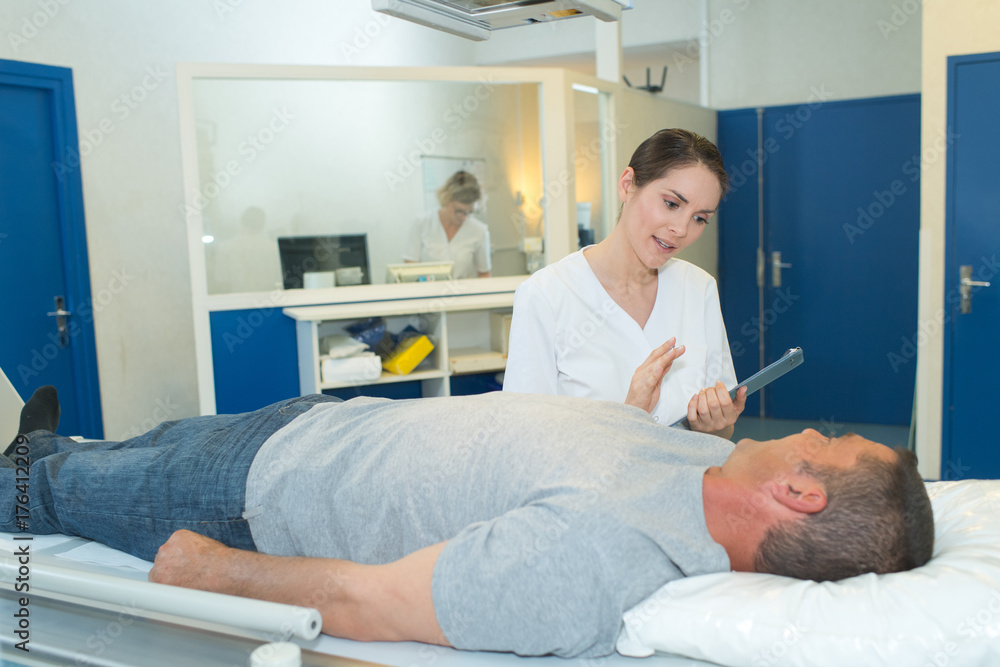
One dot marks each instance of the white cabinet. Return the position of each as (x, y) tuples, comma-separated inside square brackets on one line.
[(463, 328)]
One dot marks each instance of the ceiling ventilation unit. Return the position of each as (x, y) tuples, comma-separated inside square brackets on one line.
[(474, 19)]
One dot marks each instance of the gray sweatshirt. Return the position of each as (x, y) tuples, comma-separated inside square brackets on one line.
[(560, 513)]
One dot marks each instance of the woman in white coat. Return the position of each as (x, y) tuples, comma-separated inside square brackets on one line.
[(452, 233), (625, 320)]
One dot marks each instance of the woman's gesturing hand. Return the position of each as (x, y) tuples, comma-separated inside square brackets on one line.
[(644, 390)]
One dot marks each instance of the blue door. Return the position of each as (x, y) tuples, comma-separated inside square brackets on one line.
[(840, 206), (46, 335), (972, 362)]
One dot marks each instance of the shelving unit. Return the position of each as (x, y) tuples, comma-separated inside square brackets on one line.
[(459, 327)]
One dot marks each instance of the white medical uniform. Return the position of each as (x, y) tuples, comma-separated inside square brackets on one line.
[(469, 248), (568, 336)]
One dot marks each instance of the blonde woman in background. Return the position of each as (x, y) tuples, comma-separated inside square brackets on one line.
[(452, 234)]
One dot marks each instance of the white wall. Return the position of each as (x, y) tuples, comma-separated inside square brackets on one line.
[(954, 28), (757, 53), (654, 34), (789, 51), (650, 22), (123, 55)]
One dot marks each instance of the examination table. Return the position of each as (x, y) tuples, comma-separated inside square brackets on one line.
[(946, 613)]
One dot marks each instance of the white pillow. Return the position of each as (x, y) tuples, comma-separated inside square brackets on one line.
[(944, 614)]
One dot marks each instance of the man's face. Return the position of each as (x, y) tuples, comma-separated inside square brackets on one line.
[(762, 461)]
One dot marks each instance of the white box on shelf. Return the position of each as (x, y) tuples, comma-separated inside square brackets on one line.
[(475, 360), (500, 331), (357, 368)]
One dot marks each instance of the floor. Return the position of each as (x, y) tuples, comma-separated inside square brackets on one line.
[(756, 428)]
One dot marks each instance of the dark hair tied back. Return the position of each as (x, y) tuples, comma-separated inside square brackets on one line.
[(670, 149)]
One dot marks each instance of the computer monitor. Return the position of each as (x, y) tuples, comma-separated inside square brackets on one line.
[(301, 255), (413, 272)]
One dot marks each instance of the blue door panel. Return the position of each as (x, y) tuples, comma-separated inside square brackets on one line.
[(972, 363), (43, 251), (841, 204)]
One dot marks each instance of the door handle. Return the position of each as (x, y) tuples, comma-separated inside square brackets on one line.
[(776, 267), (61, 314), (965, 285)]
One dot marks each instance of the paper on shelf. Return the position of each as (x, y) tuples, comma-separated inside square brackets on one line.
[(93, 552), (357, 368), (338, 345)]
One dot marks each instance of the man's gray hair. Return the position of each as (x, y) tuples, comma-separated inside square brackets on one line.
[(878, 519)]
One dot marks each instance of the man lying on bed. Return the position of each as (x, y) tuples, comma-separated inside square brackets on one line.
[(498, 522)]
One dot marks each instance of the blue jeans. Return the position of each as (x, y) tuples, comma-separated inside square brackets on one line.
[(133, 495)]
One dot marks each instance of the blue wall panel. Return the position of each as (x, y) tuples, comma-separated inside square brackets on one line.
[(255, 358)]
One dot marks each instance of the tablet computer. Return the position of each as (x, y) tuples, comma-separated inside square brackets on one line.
[(789, 360)]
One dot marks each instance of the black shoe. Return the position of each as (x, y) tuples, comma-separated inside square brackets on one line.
[(40, 413)]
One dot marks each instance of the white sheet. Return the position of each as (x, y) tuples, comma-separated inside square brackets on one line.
[(946, 613), (88, 556)]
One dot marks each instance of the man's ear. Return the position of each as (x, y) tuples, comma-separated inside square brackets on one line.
[(800, 493)]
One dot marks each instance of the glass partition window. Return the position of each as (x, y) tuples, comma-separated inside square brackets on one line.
[(342, 159), (596, 187)]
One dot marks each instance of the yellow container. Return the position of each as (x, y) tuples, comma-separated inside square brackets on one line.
[(408, 355)]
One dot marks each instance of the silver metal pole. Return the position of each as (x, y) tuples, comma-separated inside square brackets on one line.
[(760, 249), (54, 581)]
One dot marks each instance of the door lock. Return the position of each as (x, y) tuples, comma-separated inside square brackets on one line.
[(965, 286), (61, 314)]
